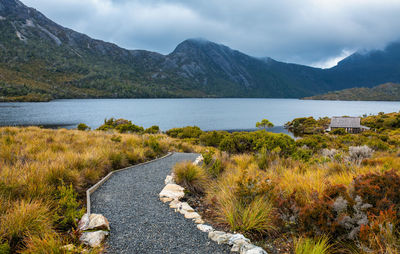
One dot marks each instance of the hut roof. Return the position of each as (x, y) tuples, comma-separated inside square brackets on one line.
[(345, 122)]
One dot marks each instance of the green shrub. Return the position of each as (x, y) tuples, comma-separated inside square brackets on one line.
[(339, 131), (153, 143), (302, 154), (212, 138), (68, 211), (307, 125), (185, 132), (121, 125), (152, 130), (83, 127), (207, 157)]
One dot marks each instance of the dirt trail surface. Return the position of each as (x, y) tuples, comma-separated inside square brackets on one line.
[(140, 222)]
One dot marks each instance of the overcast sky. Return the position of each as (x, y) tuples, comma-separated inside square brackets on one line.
[(312, 32)]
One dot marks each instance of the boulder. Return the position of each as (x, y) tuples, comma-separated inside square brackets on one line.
[(173, 191), (93, 222), (93, 238)]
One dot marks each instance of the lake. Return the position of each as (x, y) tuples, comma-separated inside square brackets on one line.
[(208, 114)]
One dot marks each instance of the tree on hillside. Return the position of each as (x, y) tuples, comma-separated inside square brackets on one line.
[(264, 124)]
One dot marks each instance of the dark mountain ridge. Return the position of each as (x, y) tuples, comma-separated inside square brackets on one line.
[(41, 60)]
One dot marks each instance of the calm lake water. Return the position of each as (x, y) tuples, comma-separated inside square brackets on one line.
[(208, 114)]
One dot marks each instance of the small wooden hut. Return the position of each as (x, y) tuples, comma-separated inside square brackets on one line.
[(350, 124)]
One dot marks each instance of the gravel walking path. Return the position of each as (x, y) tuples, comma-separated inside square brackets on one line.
[(140, 222)]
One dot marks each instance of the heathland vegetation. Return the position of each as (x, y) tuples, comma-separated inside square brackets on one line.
[(320, 193), (44, 173)]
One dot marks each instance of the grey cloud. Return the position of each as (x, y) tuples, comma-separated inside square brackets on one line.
[(314, 32)]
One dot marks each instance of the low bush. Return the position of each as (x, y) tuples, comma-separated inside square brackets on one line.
[(339, 131), (68, 209), (185, 132), (381, 190), (359, 153), (120, 125), (212, 138), (83, 127), (152, 130)]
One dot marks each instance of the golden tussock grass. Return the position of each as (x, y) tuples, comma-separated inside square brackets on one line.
[(35, 162)]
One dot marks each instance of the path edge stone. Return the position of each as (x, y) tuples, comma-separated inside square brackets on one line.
[(238, 242)]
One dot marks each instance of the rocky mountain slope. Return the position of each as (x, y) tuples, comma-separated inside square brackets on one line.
[(41, 60)]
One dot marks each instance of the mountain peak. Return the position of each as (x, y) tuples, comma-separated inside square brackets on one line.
[(198, 45)]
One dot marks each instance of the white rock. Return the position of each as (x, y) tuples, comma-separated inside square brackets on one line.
[(199, 221), (235, 248), (94, 221), (186, 207), (192, 215), (94, 238), (205, 228), (219, 236), (238, 244), (169, 180), (173, 191), (251, 249), (98, 221), (214, 234), (198, 160), (238, 239), (84, 222), (175, 204), (166, 200)]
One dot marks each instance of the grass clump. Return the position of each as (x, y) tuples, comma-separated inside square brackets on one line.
[(25, 219), (311, 246), (190, 176)]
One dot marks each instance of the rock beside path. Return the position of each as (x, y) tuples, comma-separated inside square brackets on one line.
[(92, 222), (93, 238)]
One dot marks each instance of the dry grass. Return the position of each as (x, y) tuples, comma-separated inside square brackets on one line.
[(35, 163), (191, 177), (250, 199)]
